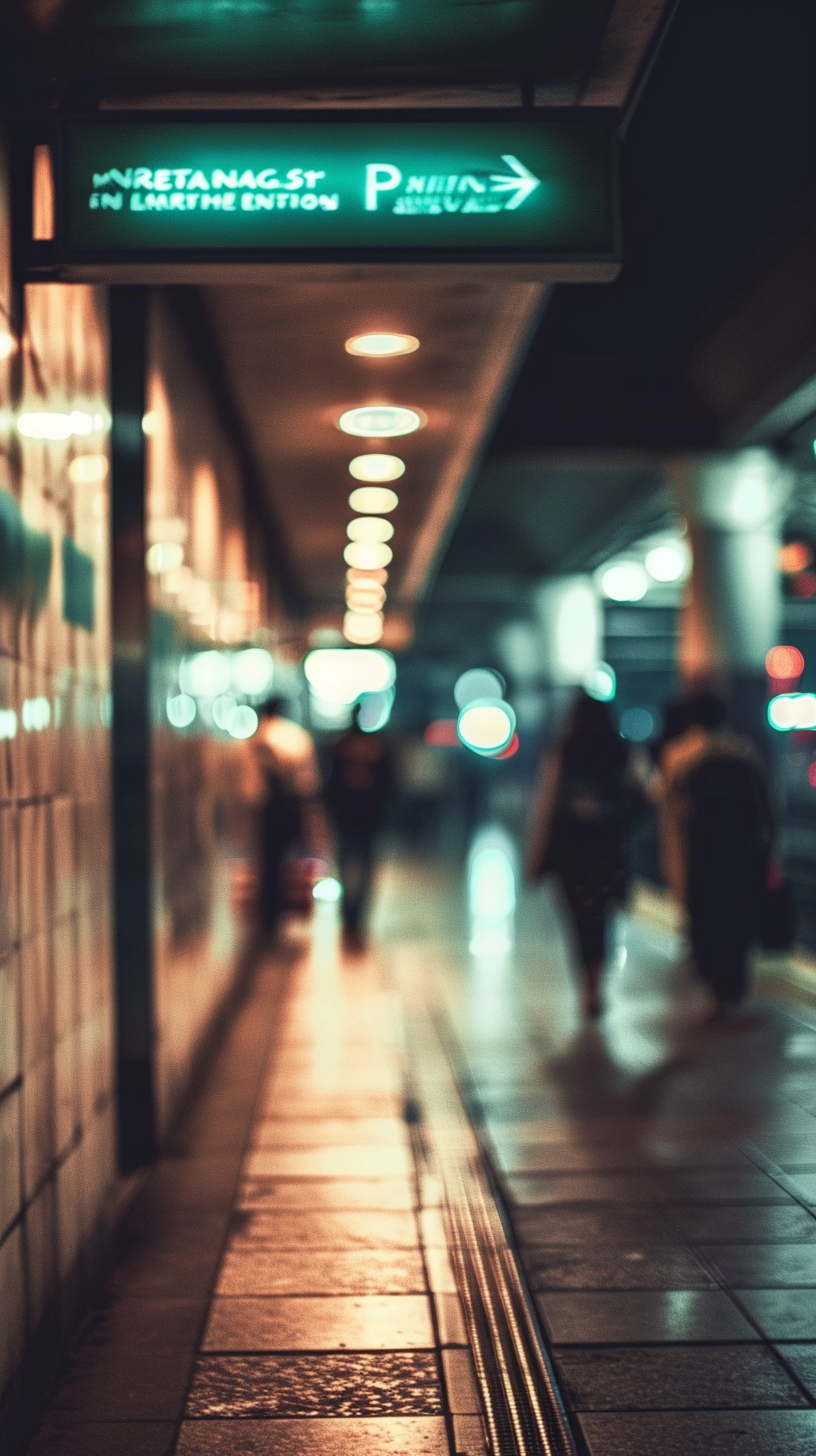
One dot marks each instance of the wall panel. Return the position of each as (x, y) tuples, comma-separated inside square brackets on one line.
[(56, 1012)]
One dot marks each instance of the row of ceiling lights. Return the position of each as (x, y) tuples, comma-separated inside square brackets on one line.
[(368, 554)]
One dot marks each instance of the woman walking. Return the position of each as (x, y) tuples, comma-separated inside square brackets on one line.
[(580, 830)]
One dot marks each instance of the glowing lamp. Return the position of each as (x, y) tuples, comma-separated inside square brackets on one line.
[(376, 468), (373, 500), (486, 726), (363, 628), (380, 421), (369, 528), (382, 346), (784, 664), (625, 581), (477, 682), (368, 555), (796, 556)]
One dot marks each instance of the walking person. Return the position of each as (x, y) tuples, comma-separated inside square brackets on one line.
[(583, 813), (717, 830), (291, 811), (359, 784)]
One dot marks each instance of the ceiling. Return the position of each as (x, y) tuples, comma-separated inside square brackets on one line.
[(291, 379)]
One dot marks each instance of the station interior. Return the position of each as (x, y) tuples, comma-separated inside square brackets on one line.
[(350, 1153)]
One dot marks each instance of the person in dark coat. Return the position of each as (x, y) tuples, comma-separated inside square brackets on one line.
[(359, 784), (718, 836), (583, 814)]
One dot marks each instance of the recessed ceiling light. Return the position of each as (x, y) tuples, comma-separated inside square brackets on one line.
[(362, 627), (380, 421), (358, 600), (367, 554), (363, 578), (369, 528), (373, 500), (382, 346), (376, 467)]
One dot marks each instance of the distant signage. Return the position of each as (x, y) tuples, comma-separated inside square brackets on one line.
[(539, 189)]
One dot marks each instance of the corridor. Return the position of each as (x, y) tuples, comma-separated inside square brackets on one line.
[(286, 1284), (407, 728)]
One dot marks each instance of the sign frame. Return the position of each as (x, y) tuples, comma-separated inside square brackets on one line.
[(63, 258)]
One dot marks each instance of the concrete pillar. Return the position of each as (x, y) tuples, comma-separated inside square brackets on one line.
[(733, 609)]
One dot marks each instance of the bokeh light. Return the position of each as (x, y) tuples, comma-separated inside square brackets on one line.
[(784, 664), (486, 726), (478, 682)]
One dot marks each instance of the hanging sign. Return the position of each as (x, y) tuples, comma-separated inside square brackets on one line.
[(538, 189)]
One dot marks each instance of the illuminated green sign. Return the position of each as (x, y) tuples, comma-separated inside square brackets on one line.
[(535, 189)]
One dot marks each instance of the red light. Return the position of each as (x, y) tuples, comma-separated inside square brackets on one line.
[(804, 585), (441, 733), (784, 664), (511, 748), (812, 774)]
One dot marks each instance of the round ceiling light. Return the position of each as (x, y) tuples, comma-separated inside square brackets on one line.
[(382, 346), (363, 627), (365, 578), (625, 581), (369, 528), (368, 555), (370, 599), (667, 562), (373, 500), (376, 467), (380, 421), (336, 675)]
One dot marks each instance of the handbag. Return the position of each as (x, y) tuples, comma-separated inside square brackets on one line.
[(777, 912)]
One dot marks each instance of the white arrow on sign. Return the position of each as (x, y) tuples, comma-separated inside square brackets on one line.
[(522, 184)]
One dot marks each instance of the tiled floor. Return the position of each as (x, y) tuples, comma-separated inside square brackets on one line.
[(328, 1327), (659, 1174)]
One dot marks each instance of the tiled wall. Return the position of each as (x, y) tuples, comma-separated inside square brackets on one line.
[(202, 780), (57, 1140)]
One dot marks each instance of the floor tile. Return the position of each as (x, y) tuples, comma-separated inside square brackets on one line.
[(370, 1322), (450, 1319), (389, 1436), (325, 1229), (686, 1433), (802, 1359), (616, 1268), (394, 1194), (346, 1162), (390, 1383), (732, 1185), (593, 1224), (679, 1377), (460, 1383), (763, 1266), (62, 1437), (337, 1271), (329, 1132), (579, 1157), (620, 1317), (780, 1223), (782, 1314)]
